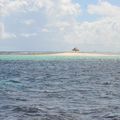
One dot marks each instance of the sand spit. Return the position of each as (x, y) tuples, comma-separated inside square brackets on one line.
[(78, 54)]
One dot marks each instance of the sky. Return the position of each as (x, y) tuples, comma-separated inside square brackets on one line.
[(60, 25)]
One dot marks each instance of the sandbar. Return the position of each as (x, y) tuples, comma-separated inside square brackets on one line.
[(79, 54)]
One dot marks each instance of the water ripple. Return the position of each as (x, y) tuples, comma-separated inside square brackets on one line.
[(60, 90)]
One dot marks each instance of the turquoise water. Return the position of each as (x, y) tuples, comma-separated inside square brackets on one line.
[(47, 57)]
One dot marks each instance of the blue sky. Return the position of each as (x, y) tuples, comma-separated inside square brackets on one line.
[(60, 25)]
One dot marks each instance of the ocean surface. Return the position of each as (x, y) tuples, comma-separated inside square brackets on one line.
[(59, 88)]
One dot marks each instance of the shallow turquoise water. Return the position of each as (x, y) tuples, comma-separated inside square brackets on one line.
[(46, 57)]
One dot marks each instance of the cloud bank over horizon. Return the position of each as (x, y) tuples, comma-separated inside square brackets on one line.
[(50, 25)]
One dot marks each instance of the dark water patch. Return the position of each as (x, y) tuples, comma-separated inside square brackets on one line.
[(14, 81), (26, 109), (112, 117)]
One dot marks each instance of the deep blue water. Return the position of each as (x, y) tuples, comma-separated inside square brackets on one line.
[(81, 89)]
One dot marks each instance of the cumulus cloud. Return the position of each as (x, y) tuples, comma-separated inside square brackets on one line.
[(59, 7), (62, 21), (104, 8), (4, 34), (10, 6), (63, 7), (104, 31)]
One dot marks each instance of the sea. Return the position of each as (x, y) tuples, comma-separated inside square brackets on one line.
[(59, 88)]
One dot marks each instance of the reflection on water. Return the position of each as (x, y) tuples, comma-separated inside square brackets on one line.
[(81, 89)]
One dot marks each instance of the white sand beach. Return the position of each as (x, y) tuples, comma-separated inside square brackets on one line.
[(80, 54)]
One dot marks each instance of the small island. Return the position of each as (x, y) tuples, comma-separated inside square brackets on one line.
[(74, 52)]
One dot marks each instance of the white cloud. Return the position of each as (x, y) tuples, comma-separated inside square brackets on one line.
[(4, 34), (61, 21), (60, 7), (104, 8), (10, 6), (102, 34)]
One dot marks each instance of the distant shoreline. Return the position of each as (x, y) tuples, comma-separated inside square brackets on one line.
[(81, 54), (59, 53)]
